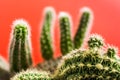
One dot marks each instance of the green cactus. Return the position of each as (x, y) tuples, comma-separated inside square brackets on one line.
[(32, 75), (66, 43), (89, 64), (20, 47), (84, 27), (4, 69), (46, 38)]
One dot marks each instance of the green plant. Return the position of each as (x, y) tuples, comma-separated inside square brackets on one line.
[(46, 38), (20, 49), (84, 27), (93, 63), (32, 75), (66, 43)]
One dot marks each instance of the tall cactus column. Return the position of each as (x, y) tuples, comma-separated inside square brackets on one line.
[(66, 43), (84, 27), (46, 38), (20, 46)]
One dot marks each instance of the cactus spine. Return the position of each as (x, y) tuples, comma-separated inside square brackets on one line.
[(89, 63), (32, 75), (66, 43), (46, 38), (20, 49), (84, 26)]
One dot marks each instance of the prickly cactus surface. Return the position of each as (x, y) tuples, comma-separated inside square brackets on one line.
[(93, 63), (32, 75)]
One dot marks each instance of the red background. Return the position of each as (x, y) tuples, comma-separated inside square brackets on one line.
[(106, 20)]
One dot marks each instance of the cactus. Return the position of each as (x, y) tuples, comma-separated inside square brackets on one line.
[(66, 43), (4, 69), (20, 46), (84, 27), (93, 63), (32, 75), (46, 38)]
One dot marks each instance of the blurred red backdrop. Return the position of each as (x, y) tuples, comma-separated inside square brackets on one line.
[(106, 20)]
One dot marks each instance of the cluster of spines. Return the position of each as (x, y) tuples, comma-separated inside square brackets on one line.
[(66, 43), (20, 46), (89, 64), (46, 37), (32, 75), (83, 28)]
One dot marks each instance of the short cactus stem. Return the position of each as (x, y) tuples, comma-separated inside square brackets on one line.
[(46, 37), (20, 46), (84, 27), (32, 75), (66, 43)]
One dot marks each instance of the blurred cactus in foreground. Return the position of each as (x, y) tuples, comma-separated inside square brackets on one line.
[(20, 46), (84, 27), (91, 63), (4, 69), (46, 37), (66, 43), (32, 75)]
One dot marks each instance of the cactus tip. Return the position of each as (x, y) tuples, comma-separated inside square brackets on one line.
[(65, 15), (51, 10), (95, 41), (20, 22), (91, 17)]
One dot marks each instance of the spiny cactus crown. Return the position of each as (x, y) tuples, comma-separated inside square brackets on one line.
[(89, 64), (20, 26), (95, 41), (32, 75)]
